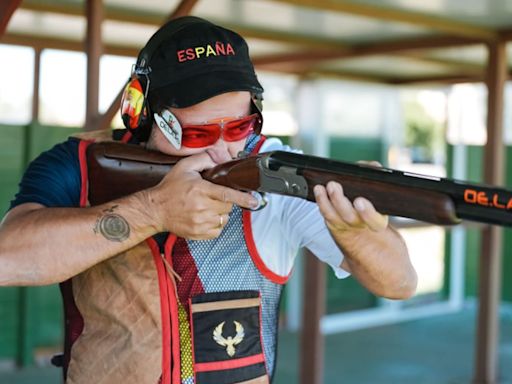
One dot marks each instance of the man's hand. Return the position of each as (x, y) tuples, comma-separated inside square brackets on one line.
[(190, 207), (341, 215), (374, 252)]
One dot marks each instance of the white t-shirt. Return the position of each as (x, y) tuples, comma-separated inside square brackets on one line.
[(289, 223)]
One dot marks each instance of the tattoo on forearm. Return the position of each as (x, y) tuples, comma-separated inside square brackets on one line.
[(112, 226)]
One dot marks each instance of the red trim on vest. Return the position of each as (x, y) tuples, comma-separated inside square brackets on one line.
[(126, 137), (174, 311), (251, 245), (190, 284), (74, 322), (164, 306), (169, 245), (82, 148), (230, 364), (258, 145), (255, 256)]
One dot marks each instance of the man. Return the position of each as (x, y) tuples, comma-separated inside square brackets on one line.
[(180, 283)]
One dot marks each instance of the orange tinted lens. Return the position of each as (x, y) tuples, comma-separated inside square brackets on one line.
[(197, 136), (235, 130), (203, 135)]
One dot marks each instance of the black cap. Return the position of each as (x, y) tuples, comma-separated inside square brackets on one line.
[(190, 59)]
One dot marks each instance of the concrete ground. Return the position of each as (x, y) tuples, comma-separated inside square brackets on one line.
[(437, 350)]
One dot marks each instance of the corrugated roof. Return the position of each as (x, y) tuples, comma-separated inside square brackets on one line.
[(394, 41)]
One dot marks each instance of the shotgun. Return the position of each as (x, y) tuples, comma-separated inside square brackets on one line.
[(116, 170)]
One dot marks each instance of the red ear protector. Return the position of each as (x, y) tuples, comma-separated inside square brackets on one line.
[(134, 102), (134, 110)]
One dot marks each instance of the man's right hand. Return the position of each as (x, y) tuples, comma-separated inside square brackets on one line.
[(40, 245), (190, 207)]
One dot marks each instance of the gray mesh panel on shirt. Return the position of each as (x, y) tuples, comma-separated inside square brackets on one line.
[(224, 264)]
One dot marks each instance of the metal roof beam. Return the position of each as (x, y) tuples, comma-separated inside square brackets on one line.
[(463, 67), (311, 72), (42, 42), (450, 26), (437, 80), (156, 19), (296, 64), (359, 50), (7, 8), (110, 13)]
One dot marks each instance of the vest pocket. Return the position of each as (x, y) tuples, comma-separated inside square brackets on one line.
[(226, 338)]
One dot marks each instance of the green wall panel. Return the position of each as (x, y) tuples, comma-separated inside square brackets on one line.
[(47, 310), (30, 317), (354, 149), (11, 163), (507, 266), (42, 138), (474, 171), (507, 246), (346, 294), (9, 321), (473, 243)]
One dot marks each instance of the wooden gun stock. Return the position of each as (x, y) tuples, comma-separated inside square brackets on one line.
[(116, 170)]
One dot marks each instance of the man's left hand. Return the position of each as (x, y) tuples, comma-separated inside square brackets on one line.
[(342, 215)]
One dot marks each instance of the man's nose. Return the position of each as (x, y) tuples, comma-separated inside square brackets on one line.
[(220, 144), (220, 151)]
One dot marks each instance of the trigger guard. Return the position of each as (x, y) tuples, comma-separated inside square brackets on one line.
[(262, 199)]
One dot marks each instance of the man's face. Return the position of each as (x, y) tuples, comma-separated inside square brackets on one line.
[(227, 105)]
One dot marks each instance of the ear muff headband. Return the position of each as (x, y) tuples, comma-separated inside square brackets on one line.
[(257, 107), (135, 111)]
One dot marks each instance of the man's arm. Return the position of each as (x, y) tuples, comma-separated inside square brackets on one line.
[(374, 252), (41, 245)]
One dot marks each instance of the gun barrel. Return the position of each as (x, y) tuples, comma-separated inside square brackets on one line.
[(428, 198)]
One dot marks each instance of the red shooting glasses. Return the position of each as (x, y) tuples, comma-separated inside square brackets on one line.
[(203, 135)]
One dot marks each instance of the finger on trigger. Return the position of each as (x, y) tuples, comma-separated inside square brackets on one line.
[(232, 196)]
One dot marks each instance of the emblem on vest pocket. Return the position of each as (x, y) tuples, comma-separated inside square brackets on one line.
[(226, 338), (229, 342)]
